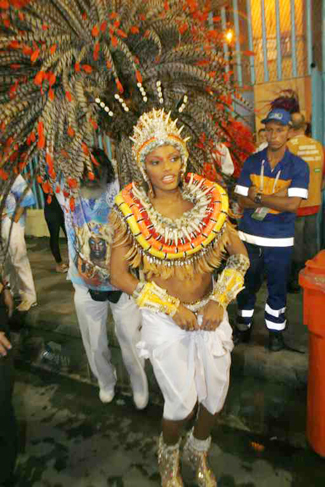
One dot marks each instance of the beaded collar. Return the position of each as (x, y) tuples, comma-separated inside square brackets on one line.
[(184, 239)]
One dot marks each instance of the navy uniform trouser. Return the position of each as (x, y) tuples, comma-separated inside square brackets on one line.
[(274, 263), (8, 427)]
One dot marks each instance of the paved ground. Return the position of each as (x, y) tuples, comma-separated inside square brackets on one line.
[(55, 320), (50, 339), (72, 440)]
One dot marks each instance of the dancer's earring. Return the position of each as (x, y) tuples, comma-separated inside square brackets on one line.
[(183, 172), (151, 191)]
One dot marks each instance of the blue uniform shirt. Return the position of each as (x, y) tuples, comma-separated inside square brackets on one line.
[(277, 228)]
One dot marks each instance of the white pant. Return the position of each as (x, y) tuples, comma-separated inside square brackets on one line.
[(189, 366), (92, 318), (17, 267)]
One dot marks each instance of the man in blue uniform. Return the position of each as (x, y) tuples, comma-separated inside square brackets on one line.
[(270, 188)]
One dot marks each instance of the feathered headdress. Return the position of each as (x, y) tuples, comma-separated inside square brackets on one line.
[(288, 100), (73, 69)]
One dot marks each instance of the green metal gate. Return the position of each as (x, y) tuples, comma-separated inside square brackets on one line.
[(279, 41)]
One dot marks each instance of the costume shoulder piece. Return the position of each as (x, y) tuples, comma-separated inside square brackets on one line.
[(182, 247)]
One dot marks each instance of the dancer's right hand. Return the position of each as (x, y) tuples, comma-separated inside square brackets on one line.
[(185, 319), (5, 345)]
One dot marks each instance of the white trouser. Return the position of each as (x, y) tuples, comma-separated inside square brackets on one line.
[(189, 366), (92, 318), (17, 267)]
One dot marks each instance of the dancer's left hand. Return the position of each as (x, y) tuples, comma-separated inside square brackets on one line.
[(212, 316)]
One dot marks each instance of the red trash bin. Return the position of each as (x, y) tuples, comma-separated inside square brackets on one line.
[(312, 280)]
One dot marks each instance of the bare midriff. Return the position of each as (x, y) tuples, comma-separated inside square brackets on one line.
[(187, 291)]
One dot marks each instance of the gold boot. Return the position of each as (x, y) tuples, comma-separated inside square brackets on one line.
[(198, 459), (168, 462)]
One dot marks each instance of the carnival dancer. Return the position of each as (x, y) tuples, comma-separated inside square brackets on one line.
[(173, 228), (76, 70)]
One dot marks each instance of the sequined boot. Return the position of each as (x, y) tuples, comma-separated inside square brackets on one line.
[(196, 454), (168, 461)]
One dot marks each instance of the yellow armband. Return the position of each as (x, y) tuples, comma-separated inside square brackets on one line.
[(149, 295), (231, 280)]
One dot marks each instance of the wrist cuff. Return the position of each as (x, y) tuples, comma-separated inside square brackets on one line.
[(149, 295), (231, 280)]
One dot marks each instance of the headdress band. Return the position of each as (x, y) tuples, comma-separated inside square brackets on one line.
[(156, 129)]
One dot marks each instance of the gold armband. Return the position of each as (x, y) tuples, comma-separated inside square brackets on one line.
[(231, 280), (149, 295)]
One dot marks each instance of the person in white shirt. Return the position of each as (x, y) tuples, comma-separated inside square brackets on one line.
[(89, 242), (224, 160), (17, 267)]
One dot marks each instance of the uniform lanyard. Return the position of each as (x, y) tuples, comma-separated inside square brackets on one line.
[(262, 178)]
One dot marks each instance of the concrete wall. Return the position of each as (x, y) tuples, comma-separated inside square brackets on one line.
[(36, 224), (264, 93)]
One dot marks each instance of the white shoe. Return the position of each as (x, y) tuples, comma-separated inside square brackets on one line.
[(140, 387), (26, 305), (141, 400), (106, 396)]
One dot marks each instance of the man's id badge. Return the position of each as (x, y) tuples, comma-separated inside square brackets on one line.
[(260, 213)]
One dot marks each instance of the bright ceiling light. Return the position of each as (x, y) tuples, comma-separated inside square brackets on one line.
[(229, 36)]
